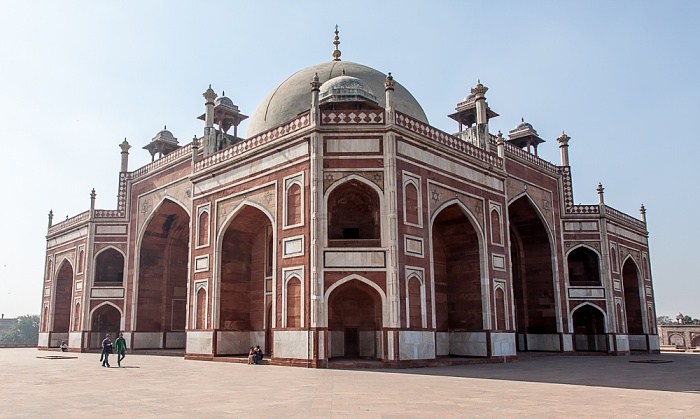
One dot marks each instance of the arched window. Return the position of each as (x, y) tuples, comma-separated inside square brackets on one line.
[(294, 302), (500, 309), (415, 319), (412, 208), (613, 259), (76, 318), (583, 267), (645, 267), (353, 216), (49, 270), (496, 227), (81, 258), (201, 309), (109, 267), (294, 204), (203, 229)]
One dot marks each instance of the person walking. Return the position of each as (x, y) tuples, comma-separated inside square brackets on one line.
[(106, 350), (120, 347)]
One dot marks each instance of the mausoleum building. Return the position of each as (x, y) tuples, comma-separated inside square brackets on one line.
[(343, 226)]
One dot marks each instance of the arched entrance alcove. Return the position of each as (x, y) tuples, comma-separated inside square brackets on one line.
[(63, 304), (533, 286), (457, 283), (589, 329), (584, 268), (354, 321), (353, 215), (633, 305), (105, 320), (109, 268), (246, 266), (162, 279)]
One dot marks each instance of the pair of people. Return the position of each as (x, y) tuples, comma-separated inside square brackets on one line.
[(108, 347), (255, 355)]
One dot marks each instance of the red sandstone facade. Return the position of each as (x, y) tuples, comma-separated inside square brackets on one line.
[(346, 227)]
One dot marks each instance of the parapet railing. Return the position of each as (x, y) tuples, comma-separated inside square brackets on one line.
[(518, 152), (621, 216), (240, 147), (185, 150), (446, 139), (70, 222)]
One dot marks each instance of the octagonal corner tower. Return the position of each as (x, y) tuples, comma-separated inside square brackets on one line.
[(293, 96)]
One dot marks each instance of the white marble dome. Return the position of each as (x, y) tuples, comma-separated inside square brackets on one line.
[(293, 96), (345, 89)]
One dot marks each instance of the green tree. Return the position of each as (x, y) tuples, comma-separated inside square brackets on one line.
[(690, 320), (24, 331), (664, 320)]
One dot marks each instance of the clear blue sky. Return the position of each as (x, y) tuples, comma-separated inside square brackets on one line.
[(620, 77)]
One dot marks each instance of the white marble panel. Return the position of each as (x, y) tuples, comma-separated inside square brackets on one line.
[(293, 246), (78, 285), (588, 293), (379, 344), (616, 285), (503, 344), (347, 259), (468, 343), (107, 292), (620, 231), (442, 343), (292, 344), (75, 339), (43, 339), (47, 291), (654, 344), (449, 165), (336, 342), (498, 262), (57, 339), (199, 343), (414, 246), (622, 343), (590, 342), (201, 263), (648, 291), (638, 342), (82, 232), (390, 344), (352, 146), (543, 342), (367, 344), (146, 340), (257, 338), (589, 226), (232, 174), (321, 345), (416, 345), (233, 343), (175, 339), (569, 343), (110, 229)]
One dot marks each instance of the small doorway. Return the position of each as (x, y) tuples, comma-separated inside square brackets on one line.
[(352, 342)]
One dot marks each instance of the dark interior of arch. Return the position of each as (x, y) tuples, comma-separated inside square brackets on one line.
[(109, 267), (162, 288), (105, 320), (531, 259), (633, 305), (457, 272), (62, 307), (353, 215), (243, 271), (589, 329), (583, 267), (355, 312)]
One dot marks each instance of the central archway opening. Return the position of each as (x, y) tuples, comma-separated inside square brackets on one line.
[(355, 322), (457, 275), (162, 287), (105, 321), (589, 329), (62, 304), (633, 305), (533, 279), (247, 255)]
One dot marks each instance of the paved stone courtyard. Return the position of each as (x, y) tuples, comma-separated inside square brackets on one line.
[(551, 386)]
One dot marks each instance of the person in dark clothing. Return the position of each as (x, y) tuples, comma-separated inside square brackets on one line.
[(258, 356), (106, 350), (120, 347)]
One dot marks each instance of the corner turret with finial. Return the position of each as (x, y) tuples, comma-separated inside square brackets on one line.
[(336, 42)]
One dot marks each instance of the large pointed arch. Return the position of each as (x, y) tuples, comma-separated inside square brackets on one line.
[(589, 326), (105, 318), (342, 234), (583, 263), (63, 285), (633, 288)]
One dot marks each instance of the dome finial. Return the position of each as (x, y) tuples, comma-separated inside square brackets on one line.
[(336, 42)]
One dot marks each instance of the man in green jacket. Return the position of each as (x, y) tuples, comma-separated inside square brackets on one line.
[(120, 347)]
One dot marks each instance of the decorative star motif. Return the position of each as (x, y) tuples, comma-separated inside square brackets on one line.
[(436, 195), (377, 177), (268, 197), (329, 177), (144, 207)]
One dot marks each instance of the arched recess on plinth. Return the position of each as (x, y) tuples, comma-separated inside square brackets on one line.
[(105, 319), (355, 316), (532, 262), (457, 250), (633, 296), (246, 267), (589, 328), (63, 300), (163, 252)]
